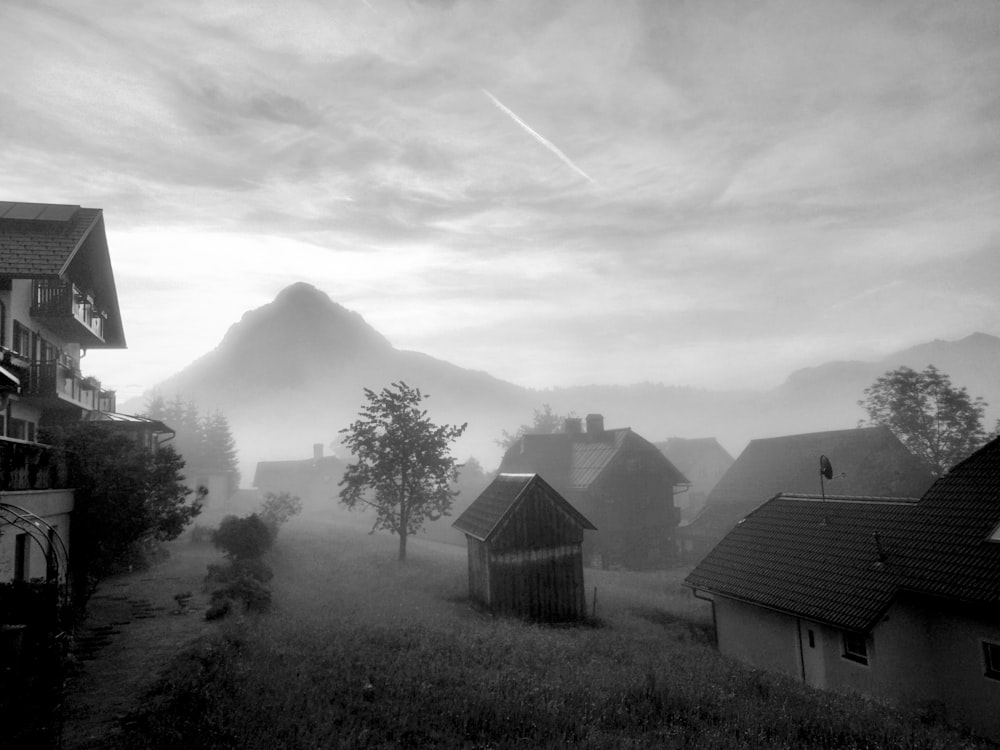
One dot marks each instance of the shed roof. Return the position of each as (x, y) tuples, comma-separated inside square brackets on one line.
[(821, 560), (868, 461), (500, 498)]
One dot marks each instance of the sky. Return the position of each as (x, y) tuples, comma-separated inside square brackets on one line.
[(569, 192)]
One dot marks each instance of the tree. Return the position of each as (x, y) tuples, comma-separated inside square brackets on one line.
[(403, 467), (126, 497), (937, 421), (219, 448), (544, 422)]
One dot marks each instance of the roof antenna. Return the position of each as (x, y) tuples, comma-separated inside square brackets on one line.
[(825, 471)]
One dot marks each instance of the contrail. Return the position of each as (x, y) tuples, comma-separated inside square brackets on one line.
[(541, 139)]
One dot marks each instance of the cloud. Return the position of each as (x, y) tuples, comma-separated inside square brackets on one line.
[(762, 170)]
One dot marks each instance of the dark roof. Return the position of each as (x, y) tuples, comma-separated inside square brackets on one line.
[(868, 461), (816, 559), (574, 461), (500, 498), (820, 560), (684, 452), (33, 247)]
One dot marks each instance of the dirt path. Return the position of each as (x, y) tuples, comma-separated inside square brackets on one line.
[(134, 627)]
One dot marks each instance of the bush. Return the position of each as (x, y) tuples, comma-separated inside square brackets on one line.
[(243, 538), (254, 595), (277, 509), (251, 568)]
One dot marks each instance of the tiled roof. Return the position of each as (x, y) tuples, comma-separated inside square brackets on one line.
[(575, 461), (816, 559), (821, 560), (486, 512), (32, 245), (868, 461)]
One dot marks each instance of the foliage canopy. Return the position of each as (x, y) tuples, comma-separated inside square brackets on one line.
[(126, 496), (403, 468), (937, 421)]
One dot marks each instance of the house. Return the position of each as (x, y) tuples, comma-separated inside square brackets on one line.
[(868, 461), (57, 300), (894, 598), (704, 462), (614, 477), (525, 550), (315, 481)]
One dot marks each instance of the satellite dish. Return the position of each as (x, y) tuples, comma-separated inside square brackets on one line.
[(825, 467)]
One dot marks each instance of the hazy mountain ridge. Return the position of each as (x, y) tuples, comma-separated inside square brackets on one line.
[(291, 373)]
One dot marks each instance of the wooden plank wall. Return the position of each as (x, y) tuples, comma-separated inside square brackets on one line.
[(545, 585)]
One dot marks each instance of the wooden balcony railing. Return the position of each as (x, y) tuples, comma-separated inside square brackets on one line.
[(32, 466), (63, 302)]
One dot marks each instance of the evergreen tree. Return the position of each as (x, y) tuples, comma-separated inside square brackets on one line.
[(219, 447)]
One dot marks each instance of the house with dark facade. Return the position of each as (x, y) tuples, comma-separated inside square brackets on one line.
[(704, 462), (57, 300), (868, 461), (890, 597), (525, 550), (617, 479)]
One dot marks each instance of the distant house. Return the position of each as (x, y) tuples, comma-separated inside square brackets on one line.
[(525, 550), (314, 480), (867, 461), (57, 300), (614, 477), (704, 462), (894, 598)]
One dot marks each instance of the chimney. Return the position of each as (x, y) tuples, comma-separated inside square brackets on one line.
[(317, 451), (595, 424), (573, 426)]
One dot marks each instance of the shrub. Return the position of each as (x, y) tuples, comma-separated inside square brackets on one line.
[(254, 595), (277, 509), (250, 568), (243, 538)]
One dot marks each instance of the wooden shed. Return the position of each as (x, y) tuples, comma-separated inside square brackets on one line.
[(525, 550)]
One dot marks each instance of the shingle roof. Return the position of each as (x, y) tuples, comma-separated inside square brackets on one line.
[(499, 499), (55, 241), (872, 461), (821, 560), (816, 559), (576, 461), (34, 246)]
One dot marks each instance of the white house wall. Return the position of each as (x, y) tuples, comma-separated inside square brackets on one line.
[(762, 638), (54, 507), (921, 655)]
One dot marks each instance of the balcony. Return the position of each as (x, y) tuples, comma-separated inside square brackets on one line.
[(59, 385), (31, 466), (68, 311)]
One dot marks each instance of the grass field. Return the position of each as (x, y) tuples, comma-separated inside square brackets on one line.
[(360, 651)]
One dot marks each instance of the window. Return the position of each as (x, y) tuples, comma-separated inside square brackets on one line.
[(991, 655), (812, 639), (22, 340), (856, 647)]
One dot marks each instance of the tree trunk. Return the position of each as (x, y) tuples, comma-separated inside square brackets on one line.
[(404, 522)]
